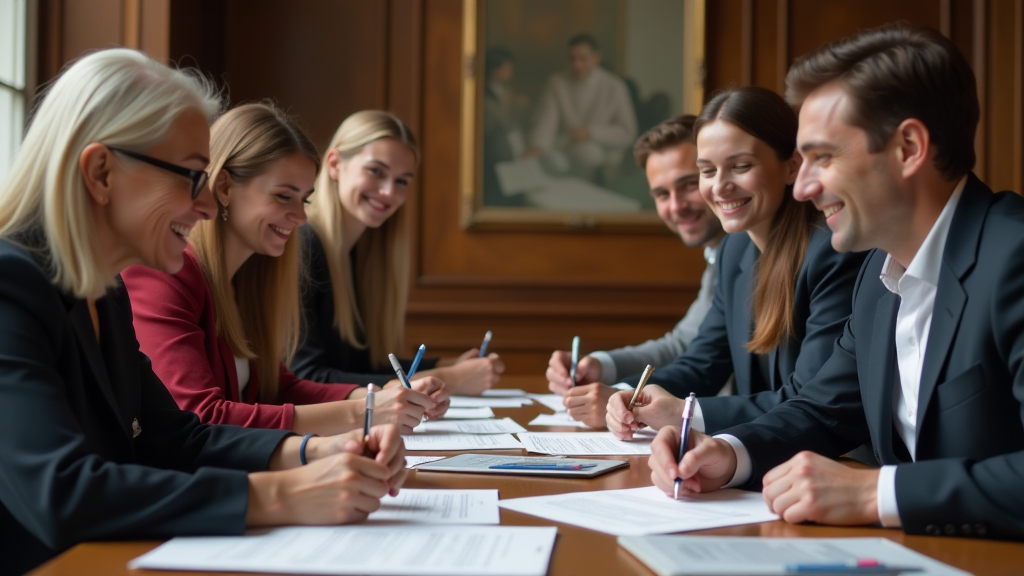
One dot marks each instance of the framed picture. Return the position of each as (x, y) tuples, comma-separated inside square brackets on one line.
[(555, 93)]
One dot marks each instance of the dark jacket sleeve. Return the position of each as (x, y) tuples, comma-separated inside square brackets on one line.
[(826, 285)]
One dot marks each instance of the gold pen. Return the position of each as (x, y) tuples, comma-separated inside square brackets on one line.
[(640, 386)]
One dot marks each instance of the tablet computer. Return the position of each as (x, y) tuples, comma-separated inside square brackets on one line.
[(524, 465)]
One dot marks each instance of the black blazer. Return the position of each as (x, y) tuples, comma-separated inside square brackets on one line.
[(821, 307), (323, 355), (92, 446), (969, 476)]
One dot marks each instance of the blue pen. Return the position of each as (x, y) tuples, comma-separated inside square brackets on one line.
[(398, 370), (855, 567), (416, 360), (575, 359), (684, 433), (541, 466), (483, 346)]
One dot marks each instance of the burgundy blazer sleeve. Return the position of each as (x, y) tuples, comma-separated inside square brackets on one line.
[(176, 328), (298, 391)]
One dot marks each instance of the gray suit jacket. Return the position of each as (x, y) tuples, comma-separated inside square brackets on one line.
[(969, 473)]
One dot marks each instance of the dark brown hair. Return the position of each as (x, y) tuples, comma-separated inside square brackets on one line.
[(765, 115), (667, 134), (894, 73)]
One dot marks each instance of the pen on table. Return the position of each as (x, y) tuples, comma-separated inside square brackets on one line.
[(368, 422), (684, 440), (640, 386), (416, 360), (575, 359), (868, 566), (531, 466), (398, 370), (483, 345)]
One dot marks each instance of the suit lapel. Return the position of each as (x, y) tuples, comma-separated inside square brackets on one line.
[(881, 368), (81, 321), (742, 325)]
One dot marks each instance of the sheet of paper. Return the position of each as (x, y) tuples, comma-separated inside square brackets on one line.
[(360, 549), (557, 419), (477, 402), (502, 426), (420, 506), (640, 511), (714, 555), (552, 401), (466, 413), (520, 175), (503, 392), (414, 461), (583, 443), (456, 441)]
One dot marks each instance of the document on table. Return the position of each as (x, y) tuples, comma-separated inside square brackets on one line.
[(718, 555), (503, 393), (478, 402), (584, 443), (557, 419), (467, 413), (420, 506), (503, 426), (438, 441), (360, 549), (414, 461), (552, 401), (641, 511)]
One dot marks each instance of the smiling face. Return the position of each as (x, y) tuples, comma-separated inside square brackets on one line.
[(150, 210), (265, 210), (742, 179), (851, 186), (673, 178), (373, 183)]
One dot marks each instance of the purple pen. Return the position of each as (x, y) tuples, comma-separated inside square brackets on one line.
[(684, 432)]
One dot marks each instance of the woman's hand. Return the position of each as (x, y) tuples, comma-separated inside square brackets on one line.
[(655, 407)]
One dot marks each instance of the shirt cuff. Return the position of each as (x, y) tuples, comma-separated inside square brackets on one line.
[(888, 510), (744, 468), (697, 421), (608, 371)]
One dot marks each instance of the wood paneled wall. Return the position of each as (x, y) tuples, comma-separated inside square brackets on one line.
[(324, 59)]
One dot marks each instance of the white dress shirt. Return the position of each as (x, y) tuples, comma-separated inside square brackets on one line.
[(916, 285)]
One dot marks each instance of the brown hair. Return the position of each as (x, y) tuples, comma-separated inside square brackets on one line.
[(765, 115), (894, 73), (667, 134), (258, 309)]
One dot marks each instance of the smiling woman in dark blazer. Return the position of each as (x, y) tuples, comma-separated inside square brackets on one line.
[(91, 444), (783, 293)]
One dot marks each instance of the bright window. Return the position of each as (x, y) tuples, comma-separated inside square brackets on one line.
[(12, 79)]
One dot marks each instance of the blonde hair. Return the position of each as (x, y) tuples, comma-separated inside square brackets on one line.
[(258, 309), (116, 97), (376, 305)]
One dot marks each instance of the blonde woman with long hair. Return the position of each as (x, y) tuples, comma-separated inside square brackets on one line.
[(357, 256), (218, 329), (112, 173)]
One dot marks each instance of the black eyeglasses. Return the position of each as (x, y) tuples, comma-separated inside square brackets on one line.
[(198, 177)]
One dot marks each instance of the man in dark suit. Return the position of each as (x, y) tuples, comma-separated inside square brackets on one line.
[(930, 366)]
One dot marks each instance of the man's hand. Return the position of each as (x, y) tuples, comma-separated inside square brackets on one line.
[(812, 488), (587, 403), (655, 407), (708, 465), (559, 382)]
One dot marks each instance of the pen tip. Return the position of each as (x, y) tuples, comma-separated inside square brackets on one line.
[(675, 489)]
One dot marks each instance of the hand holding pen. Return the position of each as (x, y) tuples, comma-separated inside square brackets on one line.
[(684, 441)]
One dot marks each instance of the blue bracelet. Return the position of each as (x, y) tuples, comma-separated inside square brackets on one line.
[(302, 448)]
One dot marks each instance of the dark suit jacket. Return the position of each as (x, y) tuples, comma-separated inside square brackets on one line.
[(91, 444), (969, 476), (323, 355), (821, 307)]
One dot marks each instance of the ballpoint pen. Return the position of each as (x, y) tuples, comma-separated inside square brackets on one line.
[(416, 360), (868, 566), (368, 422), (398, 370), (483, 345), (684, 433), (640, 386), (532, 466), (575, 359)]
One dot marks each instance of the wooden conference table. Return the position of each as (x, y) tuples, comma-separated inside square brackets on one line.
[(578, 550)]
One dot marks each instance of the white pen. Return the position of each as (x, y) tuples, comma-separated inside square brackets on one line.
[(369, 411), (483, 346), (398, 370), (575, 359), (684, 433)]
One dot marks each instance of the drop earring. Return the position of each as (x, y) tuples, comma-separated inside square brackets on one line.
[(224, 214)]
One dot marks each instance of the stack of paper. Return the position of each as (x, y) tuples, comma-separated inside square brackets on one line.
[(584, 443), (557, 419), (552, 401), (441, 441), (466, 413)]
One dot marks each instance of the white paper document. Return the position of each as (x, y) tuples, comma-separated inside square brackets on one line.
[(503, 393), (414, 461), (584, 443), (455, 441), (641, 511), (361, 549), (477, 402), (717, 555), (552, 401), (467, 413), (502, 426), (557, 419), (420, 506)]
